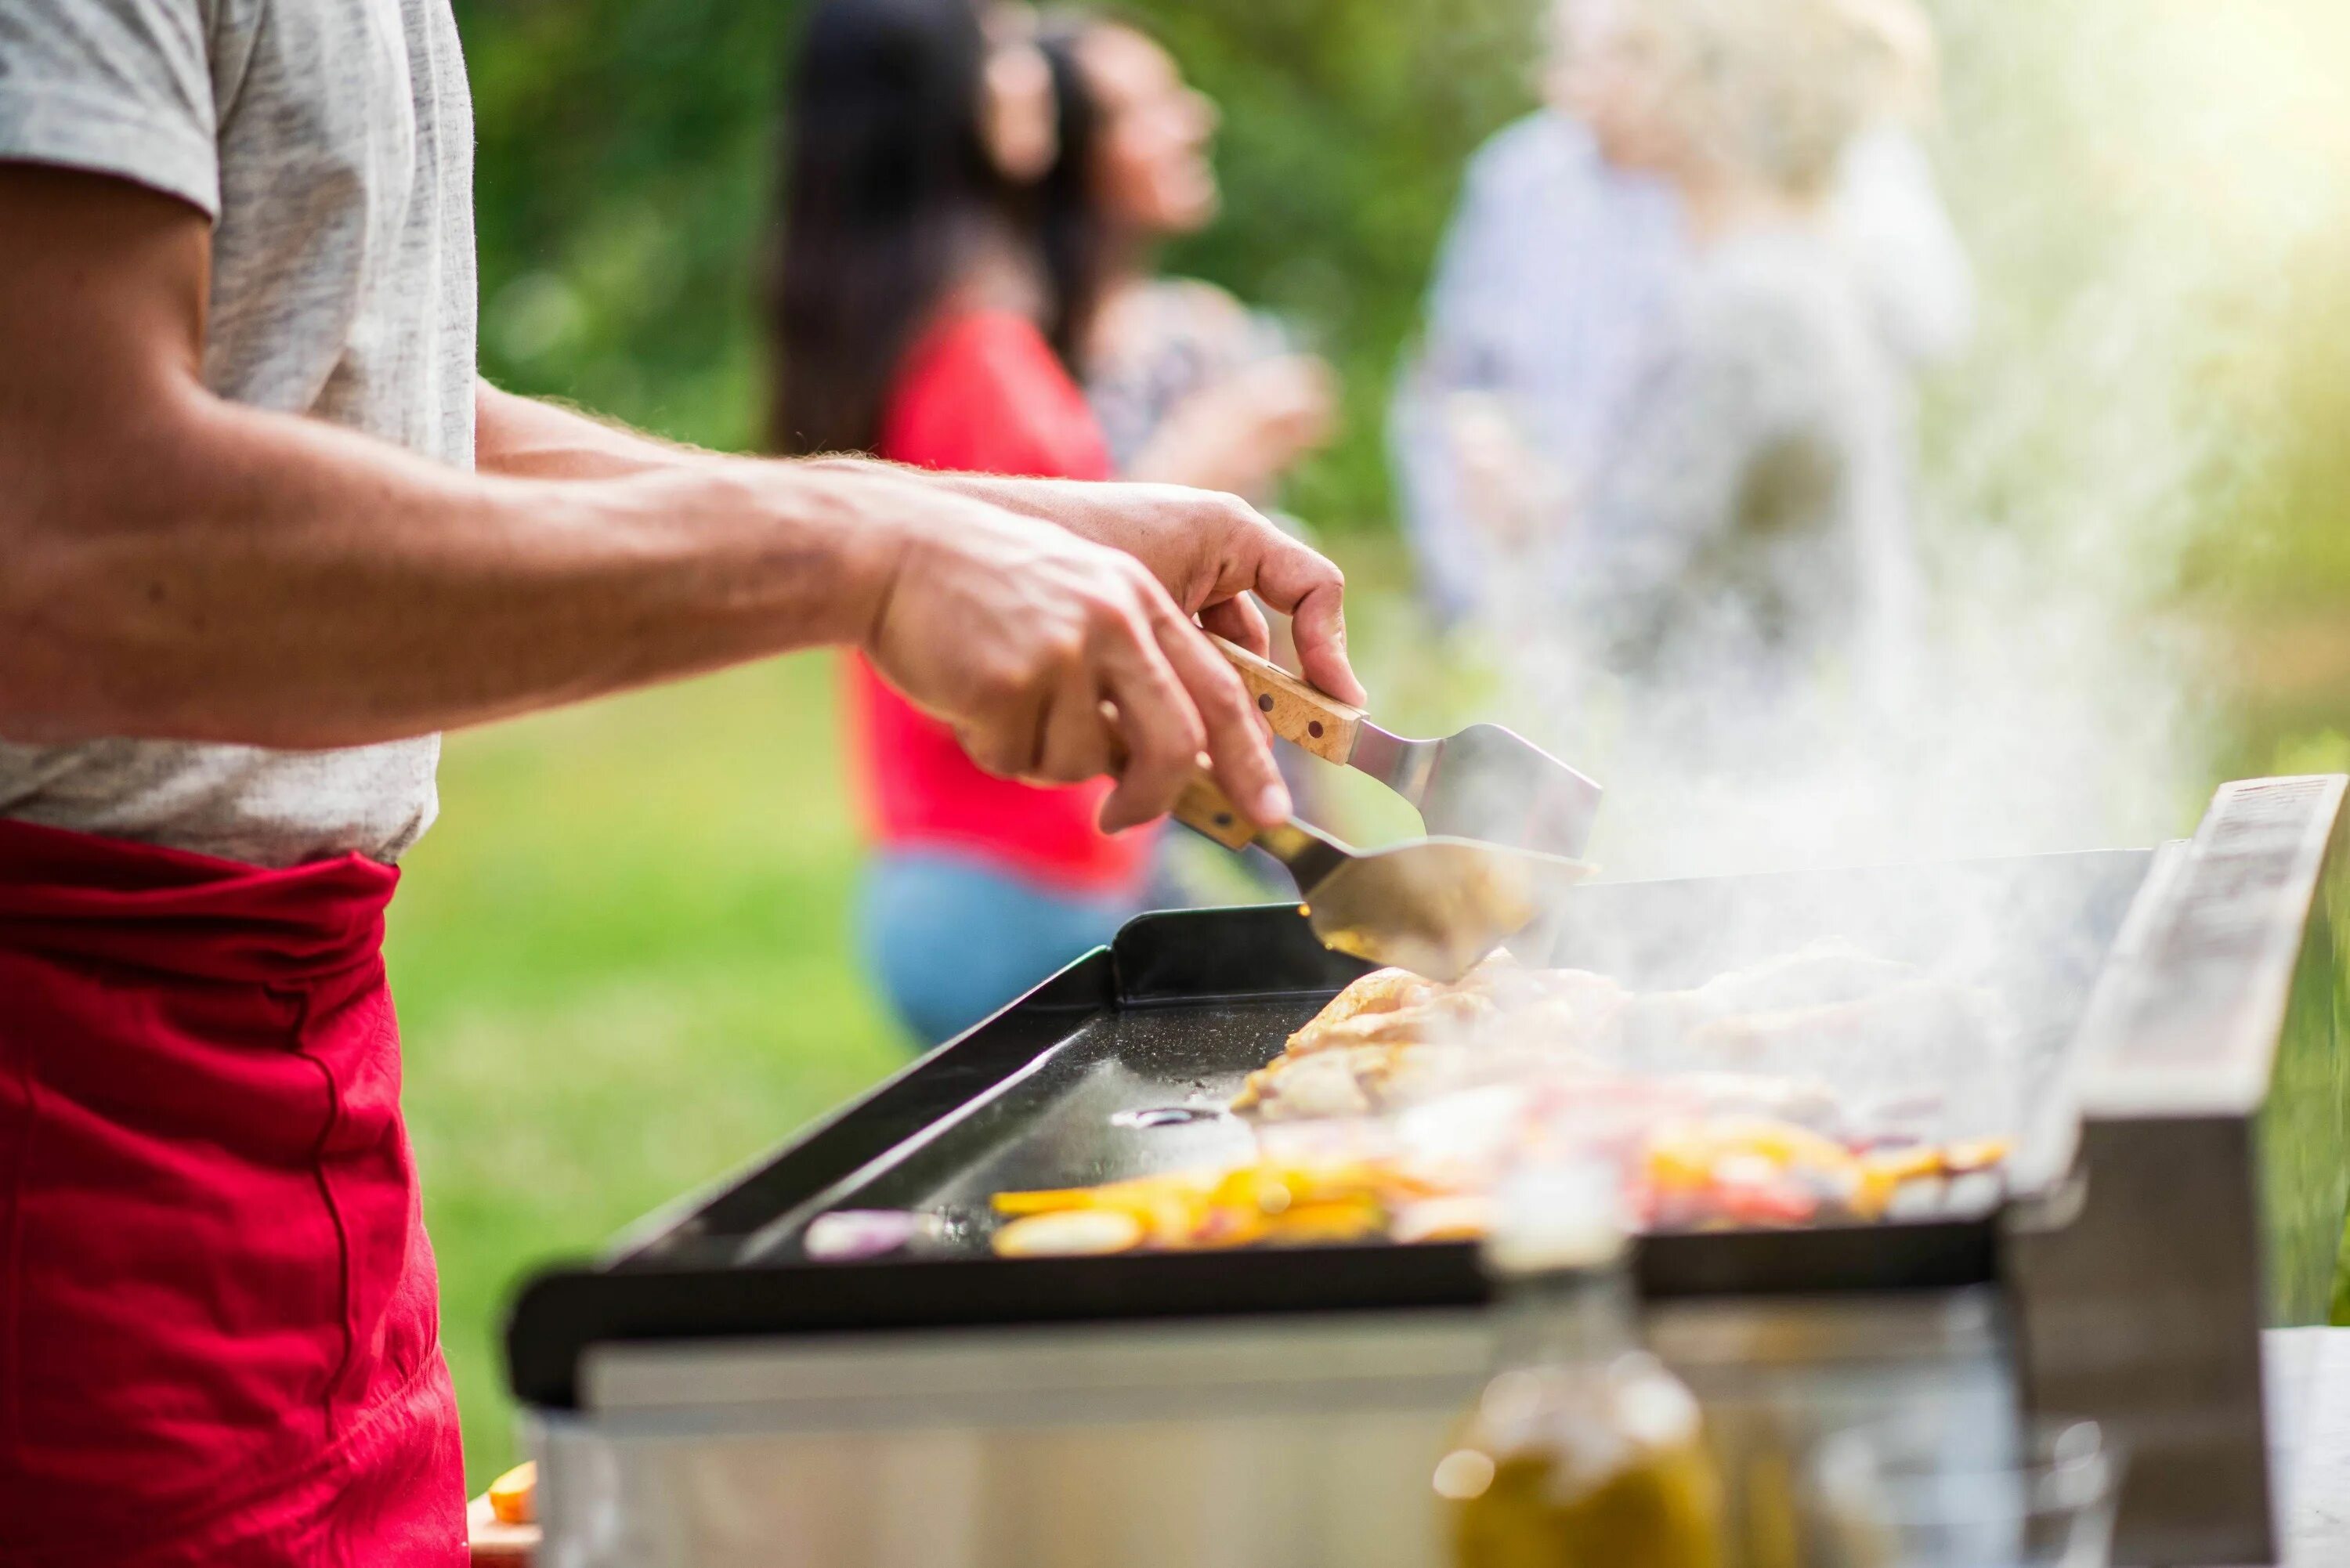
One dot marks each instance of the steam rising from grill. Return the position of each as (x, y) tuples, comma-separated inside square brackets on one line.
[(2126, 197)]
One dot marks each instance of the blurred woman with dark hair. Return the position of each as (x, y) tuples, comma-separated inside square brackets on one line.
[(1191, 387), (915, 314)]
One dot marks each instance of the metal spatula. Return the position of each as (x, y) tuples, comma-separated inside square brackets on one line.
[(1484, 783), (1434, 905)]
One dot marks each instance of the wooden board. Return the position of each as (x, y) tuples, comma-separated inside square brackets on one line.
[(508, 1545)]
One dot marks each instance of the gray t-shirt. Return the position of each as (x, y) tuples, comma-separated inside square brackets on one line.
[(331, 141)]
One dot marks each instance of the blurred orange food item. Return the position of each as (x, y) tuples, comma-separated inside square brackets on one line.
[(1261, 1201), (513, 1496)]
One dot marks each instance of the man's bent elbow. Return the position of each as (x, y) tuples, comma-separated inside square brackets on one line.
[(68, 633)]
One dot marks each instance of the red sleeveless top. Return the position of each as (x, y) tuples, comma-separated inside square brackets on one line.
[(984, 393)]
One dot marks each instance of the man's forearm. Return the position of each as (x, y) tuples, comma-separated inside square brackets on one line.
[(175, 565), (532, 438), (272, 581), (535, 437)]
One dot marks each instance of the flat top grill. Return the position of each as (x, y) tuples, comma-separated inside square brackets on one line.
[(1187, 1003), (1125, 1094)]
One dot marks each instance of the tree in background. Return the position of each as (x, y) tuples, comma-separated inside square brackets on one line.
[(626, 151), (2153, 190)]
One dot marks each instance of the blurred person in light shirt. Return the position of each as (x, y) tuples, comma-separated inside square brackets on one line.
[(1568, 260), (1710, 580)]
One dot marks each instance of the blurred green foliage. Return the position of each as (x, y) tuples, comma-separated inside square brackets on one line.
[(625, 183), (627, 152)]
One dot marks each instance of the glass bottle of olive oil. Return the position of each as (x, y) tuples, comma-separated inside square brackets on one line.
[(1584, 1451)]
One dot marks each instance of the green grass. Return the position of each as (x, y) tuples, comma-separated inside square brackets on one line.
[(623, 967)]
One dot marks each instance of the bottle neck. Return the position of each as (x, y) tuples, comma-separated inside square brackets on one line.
[(1566, 1316)]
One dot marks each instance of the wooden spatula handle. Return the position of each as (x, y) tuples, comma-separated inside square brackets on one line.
[(1298, 712), (1204, 806)]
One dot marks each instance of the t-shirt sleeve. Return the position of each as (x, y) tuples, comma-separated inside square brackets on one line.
[(114, 86)]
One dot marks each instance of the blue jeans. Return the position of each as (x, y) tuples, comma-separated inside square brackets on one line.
[(951, 938)]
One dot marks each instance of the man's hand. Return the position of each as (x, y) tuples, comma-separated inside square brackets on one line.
[(1210, 551), (1016, 632), (1060, 659)]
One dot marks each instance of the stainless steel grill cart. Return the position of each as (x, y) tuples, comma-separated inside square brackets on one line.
[(708, 1395)]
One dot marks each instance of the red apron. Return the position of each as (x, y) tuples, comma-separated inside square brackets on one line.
[(219, 1341)]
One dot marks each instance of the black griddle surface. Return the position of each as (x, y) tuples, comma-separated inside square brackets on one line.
[(1182, 1007), (1071, 1119)]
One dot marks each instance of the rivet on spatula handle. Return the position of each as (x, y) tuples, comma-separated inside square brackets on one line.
[(1298, 712), (1204, 806)]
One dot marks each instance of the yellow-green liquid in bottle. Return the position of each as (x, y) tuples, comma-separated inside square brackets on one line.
[(1585, 1452)]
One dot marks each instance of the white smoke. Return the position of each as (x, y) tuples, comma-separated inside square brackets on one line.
[(2128, 176)]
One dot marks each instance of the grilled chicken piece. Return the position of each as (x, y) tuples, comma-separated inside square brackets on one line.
[(1828, 1012), (1444, 1015), (1390, 1005), (1381, 990), (1543, 1022), (1393, 1038), (1903, 1033), (1825, 973), (1339, 1081), (1670, 1029), (1394, 1004)]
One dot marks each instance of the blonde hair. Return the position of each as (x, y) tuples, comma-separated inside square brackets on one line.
[(1901, 54), (1779, 87)]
